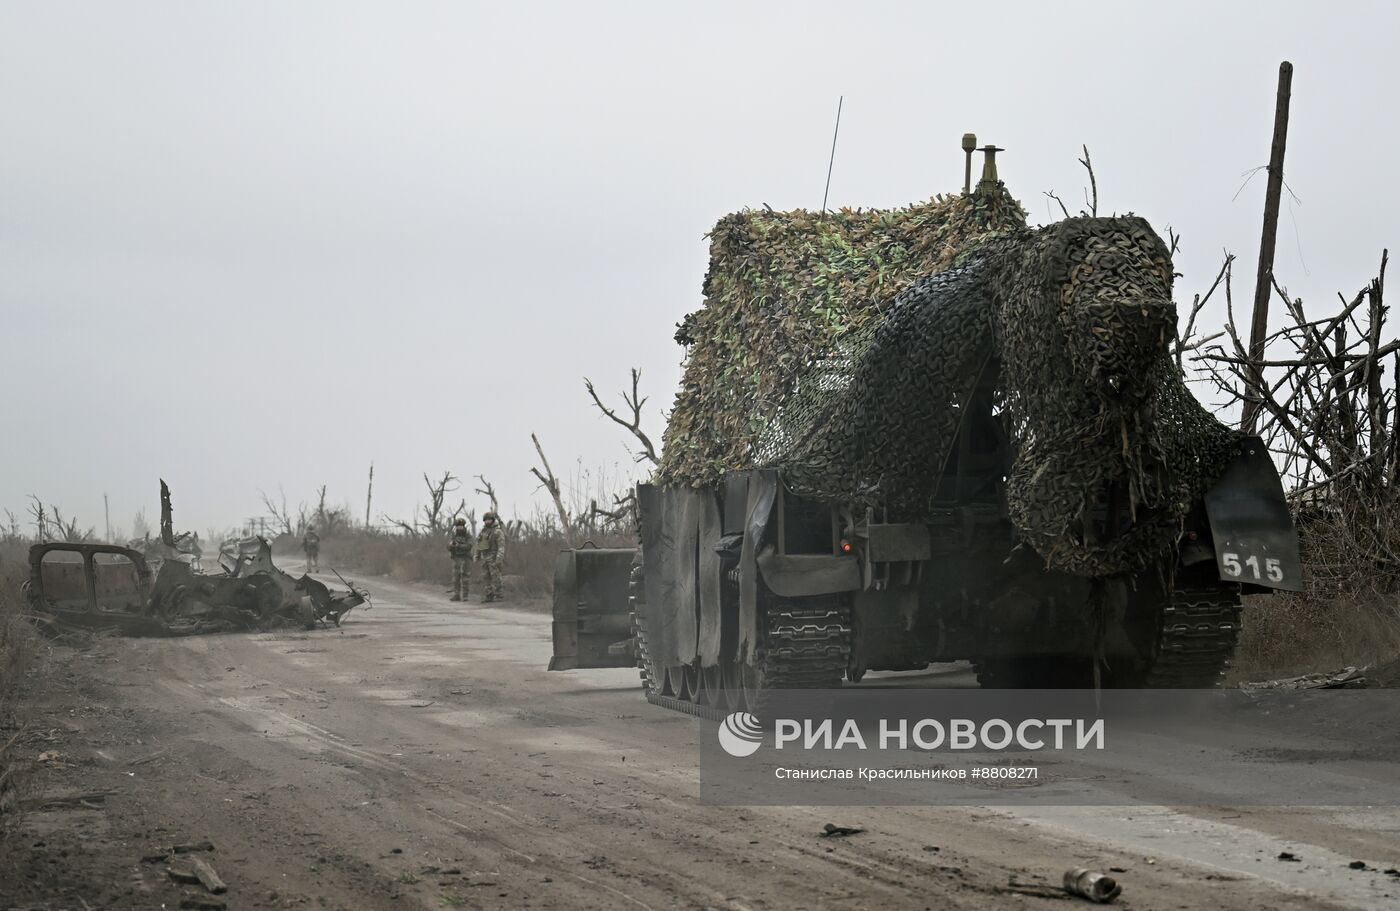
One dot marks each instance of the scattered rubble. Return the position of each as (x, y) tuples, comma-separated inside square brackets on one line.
[(201, 903), (208, 876), (1346, 678), (1385, 674), (193, 847)]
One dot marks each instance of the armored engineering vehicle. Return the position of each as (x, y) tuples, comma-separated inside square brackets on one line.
[(932, 434)]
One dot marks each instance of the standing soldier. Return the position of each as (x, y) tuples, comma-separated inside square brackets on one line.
[(460, 547), (311, 543), (491, 551)]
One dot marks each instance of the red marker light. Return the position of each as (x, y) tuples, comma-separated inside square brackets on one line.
[(845, 547), (1191, 535)]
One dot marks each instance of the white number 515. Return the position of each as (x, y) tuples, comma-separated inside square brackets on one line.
[(1234, 567)]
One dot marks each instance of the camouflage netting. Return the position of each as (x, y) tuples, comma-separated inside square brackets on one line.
[(819, 355), (783, 288)]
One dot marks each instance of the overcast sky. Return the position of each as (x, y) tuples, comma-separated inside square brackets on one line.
[(252, 245)]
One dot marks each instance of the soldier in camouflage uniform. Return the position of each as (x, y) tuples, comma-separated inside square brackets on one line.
[(311, 544), (491, 551), (461, 548)]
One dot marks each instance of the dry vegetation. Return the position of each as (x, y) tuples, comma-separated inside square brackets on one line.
[(589, 506), (17, 646), (1329, 414), (531, 553)]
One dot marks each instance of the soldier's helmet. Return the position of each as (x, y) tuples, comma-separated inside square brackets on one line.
[(488, 516), (460, 522)]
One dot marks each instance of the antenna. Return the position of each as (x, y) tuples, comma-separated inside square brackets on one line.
[(840, 101)]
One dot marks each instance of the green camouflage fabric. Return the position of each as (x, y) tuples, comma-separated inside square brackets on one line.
[(460, 543), (865, 403), (461, 548), (783, 289), (491, 551), (311, 544)]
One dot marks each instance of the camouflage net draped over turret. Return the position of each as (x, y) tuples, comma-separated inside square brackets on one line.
[(864, 405), (782, 289)]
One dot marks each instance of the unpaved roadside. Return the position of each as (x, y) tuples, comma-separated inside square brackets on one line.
[(422, 758)]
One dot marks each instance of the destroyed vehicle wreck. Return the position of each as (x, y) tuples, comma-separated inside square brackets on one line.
[(107, 587)]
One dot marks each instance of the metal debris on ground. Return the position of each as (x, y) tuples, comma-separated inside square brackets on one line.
[(181, 875), (831, 830), (1037, 890), (208, 876), (1346, 678), (1096, 887), (193, 847)]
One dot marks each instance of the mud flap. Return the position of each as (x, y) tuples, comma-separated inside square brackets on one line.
[(592, 623), (1255, 541)]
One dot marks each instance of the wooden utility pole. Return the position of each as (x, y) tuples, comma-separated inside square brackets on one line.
[(107, 518), (1263, 284), (369, 495)]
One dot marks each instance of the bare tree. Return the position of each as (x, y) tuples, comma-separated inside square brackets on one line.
[(1186, 339), (40, 514), (1333, 424), (369, 496), (69, 530), (437, 498), (632, 424), (488, 491), (551, 484), (1330, 419), (140, 526), (1091, 193), (281, 516), (621, 518), (1092, 203), (409, 528)]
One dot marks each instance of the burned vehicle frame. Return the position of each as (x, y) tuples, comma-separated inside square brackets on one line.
[(108, 587)]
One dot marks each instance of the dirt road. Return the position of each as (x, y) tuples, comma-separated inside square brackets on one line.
[(421, 757)]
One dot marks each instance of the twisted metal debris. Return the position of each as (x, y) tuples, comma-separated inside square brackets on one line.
[(845, 353)]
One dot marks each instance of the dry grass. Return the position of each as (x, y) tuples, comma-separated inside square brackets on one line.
[(17, 650), (1350, 613), (529, 568)]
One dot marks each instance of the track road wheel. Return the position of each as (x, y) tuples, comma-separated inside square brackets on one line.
[(675, 683), (712, 686), (1185, 643), (694, 685)]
